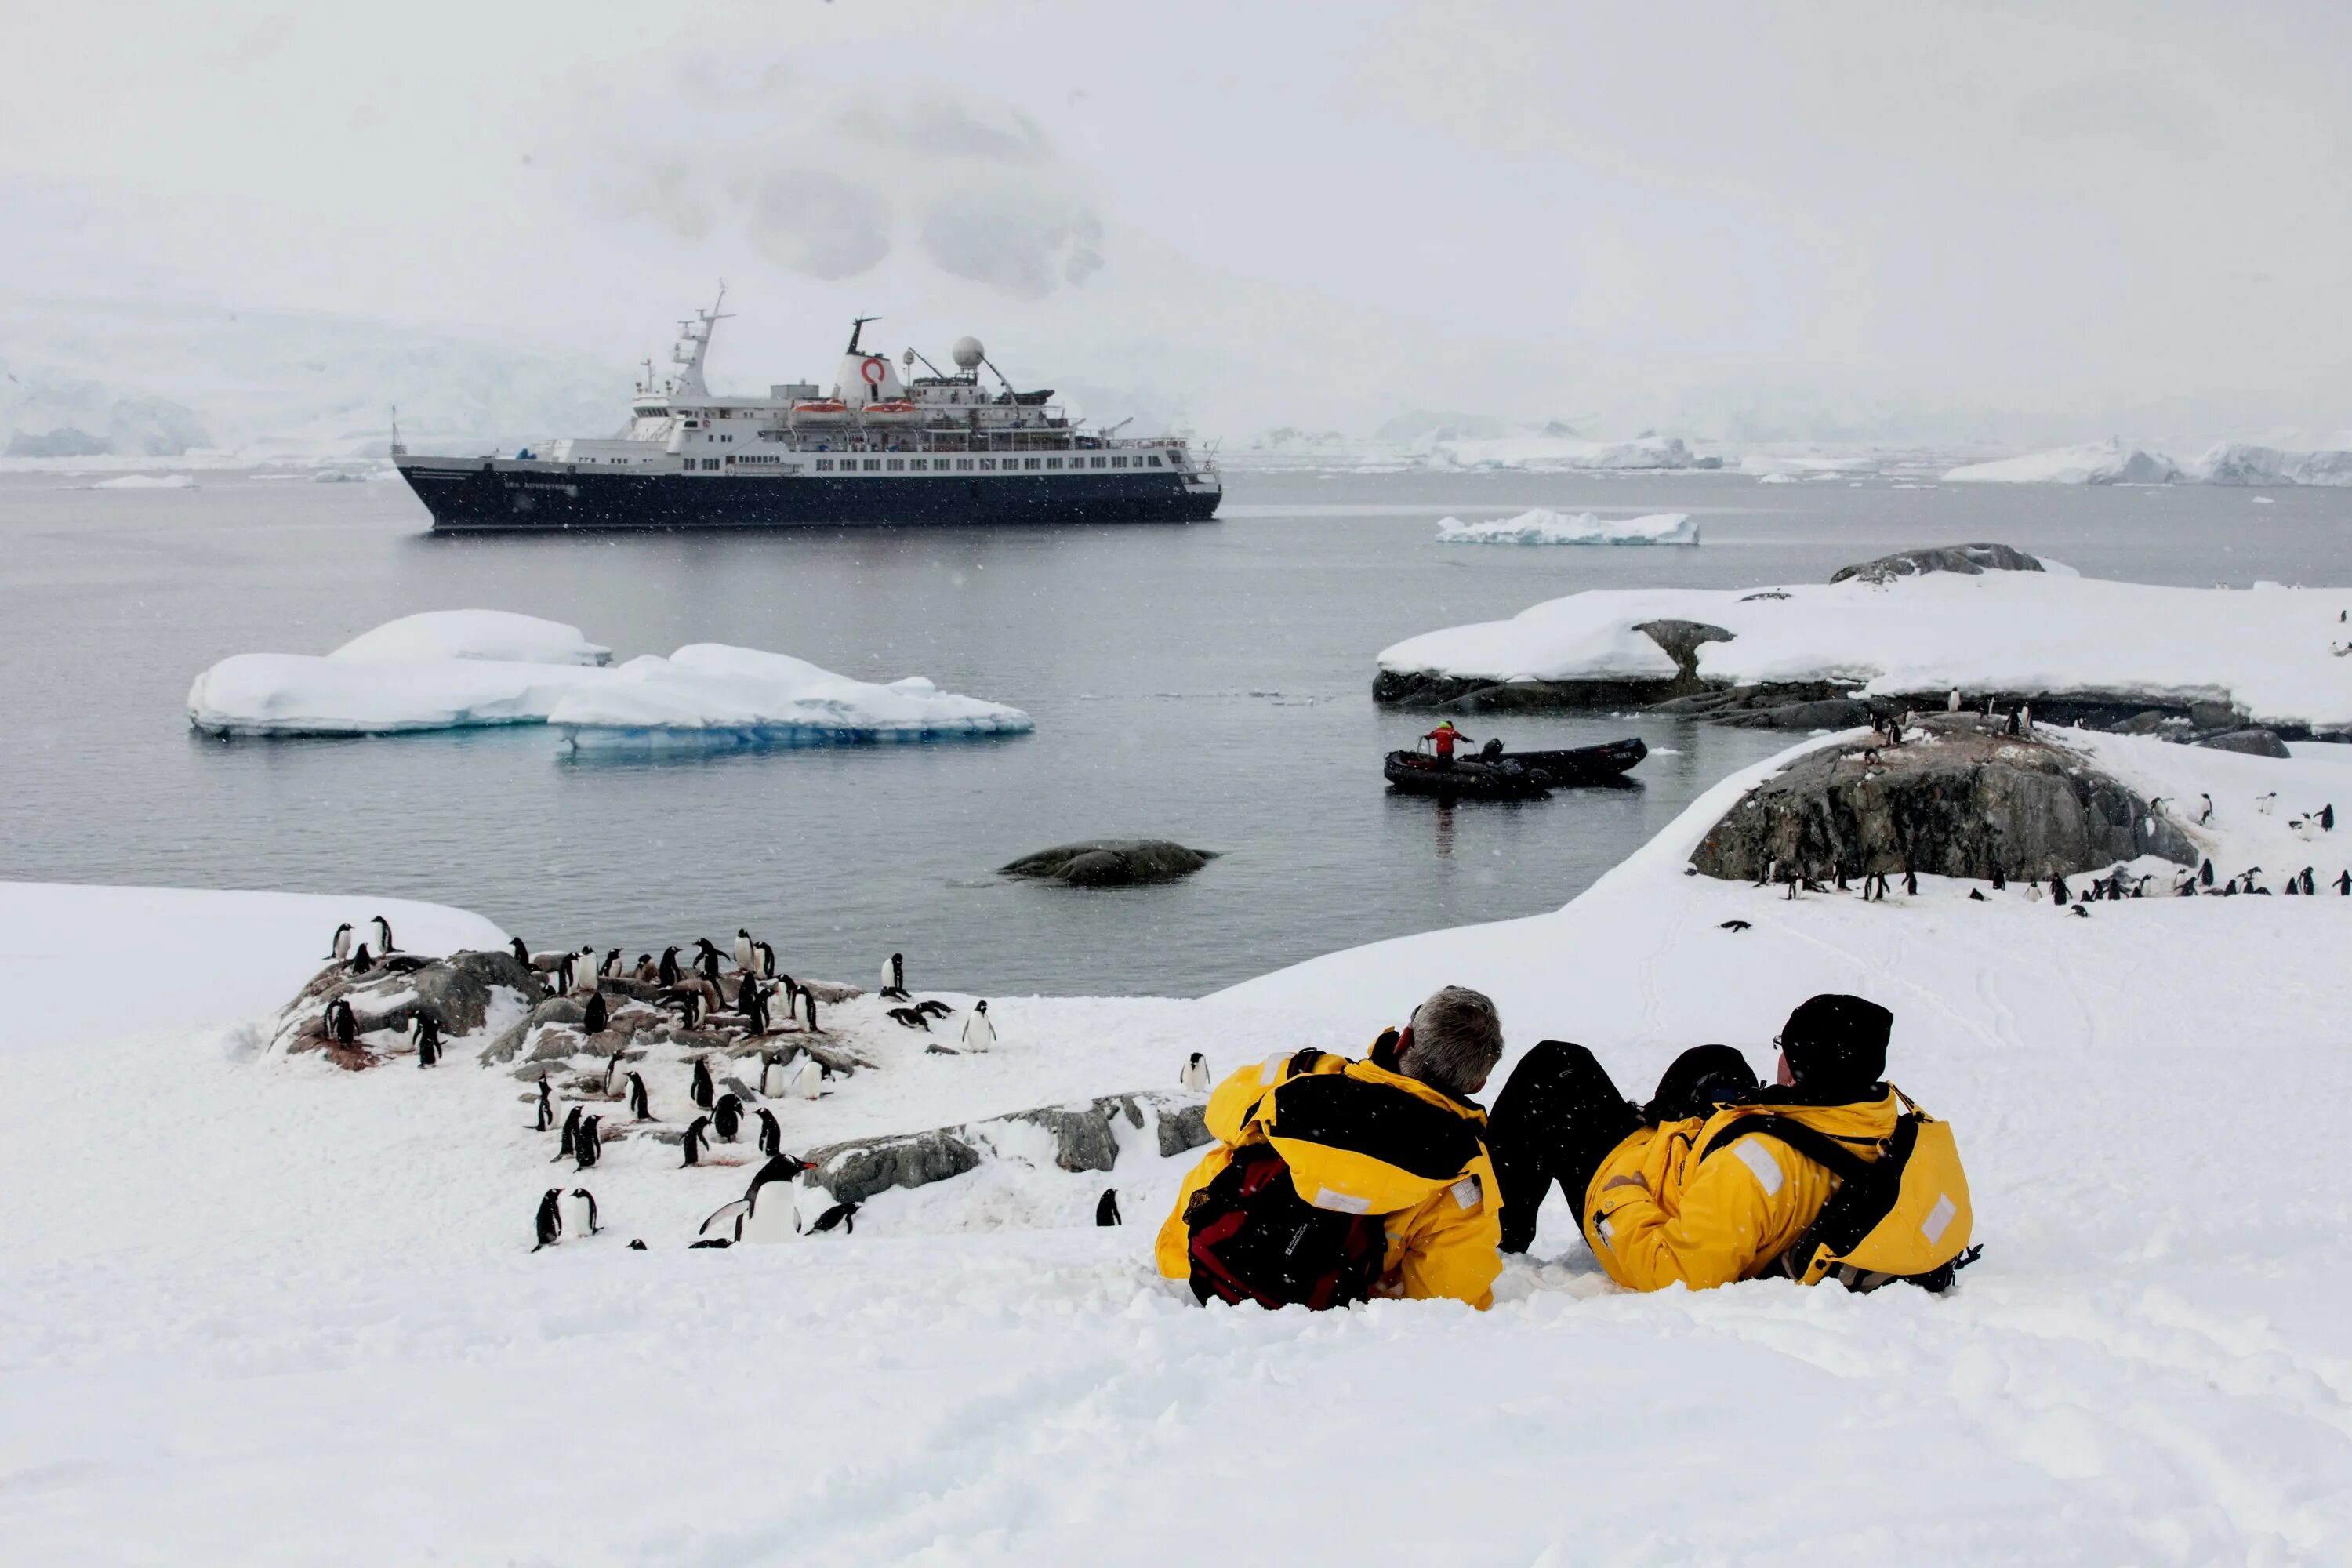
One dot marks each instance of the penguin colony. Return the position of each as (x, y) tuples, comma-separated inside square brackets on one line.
[(743, 1031)]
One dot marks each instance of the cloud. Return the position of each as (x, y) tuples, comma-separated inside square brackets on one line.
[(1013, 240), (817, 224), (2135, 107)]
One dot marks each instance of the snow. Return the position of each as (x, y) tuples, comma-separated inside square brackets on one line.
[(464, 668), (258, 1307), (147, 482), (2235, 463), (1542, 526), (2267, 650), (1562, 452), (2101, 463), (476, 633)]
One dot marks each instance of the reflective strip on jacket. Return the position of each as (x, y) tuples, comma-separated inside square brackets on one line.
[(1706, 1223), (1349, 1151)]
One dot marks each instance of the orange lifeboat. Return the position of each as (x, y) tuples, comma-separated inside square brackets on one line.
[(823, 411), (895, 407)]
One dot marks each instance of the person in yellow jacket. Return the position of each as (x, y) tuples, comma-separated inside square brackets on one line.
[(1331, 1179), (1674, 1193)]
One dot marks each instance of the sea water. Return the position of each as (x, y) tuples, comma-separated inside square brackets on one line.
[(1209, 684)]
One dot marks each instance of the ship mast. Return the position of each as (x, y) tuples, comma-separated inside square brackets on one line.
[(693, 343)]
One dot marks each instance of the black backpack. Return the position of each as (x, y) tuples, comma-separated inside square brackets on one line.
[(1253, 1238)]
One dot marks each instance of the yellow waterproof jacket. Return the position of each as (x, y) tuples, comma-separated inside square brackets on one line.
[(1422, 1167), (1708, 1222)]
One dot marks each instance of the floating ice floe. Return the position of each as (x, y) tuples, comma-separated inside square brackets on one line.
[(2270, 652), (1542, 526), (147, 482), (472, 668)]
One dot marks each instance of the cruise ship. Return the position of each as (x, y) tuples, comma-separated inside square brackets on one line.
[(874, 448)]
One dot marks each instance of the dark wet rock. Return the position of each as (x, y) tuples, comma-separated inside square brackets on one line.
[(2254, 742), (1830, 713), (1970, 560), (1959, 799), (456, 993), (1082, 1133), (1110, 862)]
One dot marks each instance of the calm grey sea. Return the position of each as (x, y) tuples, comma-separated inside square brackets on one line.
[(1209, 684)]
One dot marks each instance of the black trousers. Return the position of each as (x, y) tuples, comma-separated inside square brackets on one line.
[(1561, 1114)]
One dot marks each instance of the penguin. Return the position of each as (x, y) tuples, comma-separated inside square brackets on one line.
[(1195, 1073), (2344, 884), (1107, 1207), (980, 1029), (933, 1009), (767, 959), (753, 1005), (708, 960), (522, 953), (2081, 910), (571, 1144), (342, 942), (2025, 712), (360, 963), (691, 1004), (727, 1118), (546, 1109), (774, 1078), (590, 1145), (1910, 881), (1185, 1077), (645, 973), (1840, 878), (382, 935), (427, 1035), (704, 1093), (2293, 886), (611, 969), (893, 977), (579, 1212), (640, 1107), (772, 1135), (668, 973), (564, 977), (2058, 890), (597, 1015), (841, 1216), (744, 950), (2000, 881), (1953, 706), (2205, 873), (694, 1140), (2013, 727), (908, 1018), (550, 1221), (342, 1026), (808, 1010), (2264, 803), (2205, 817), (2327, 818), (809, 1081), (638, 1245), (584, 968), (617, 1077), (1976, 896)]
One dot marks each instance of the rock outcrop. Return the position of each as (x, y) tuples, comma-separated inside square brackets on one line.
[(1111, 862), (1959, 798), (2253, 742), (1081, 1136), (1969, 559)]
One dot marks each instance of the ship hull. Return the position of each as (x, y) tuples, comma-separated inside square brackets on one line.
[(481, 495)]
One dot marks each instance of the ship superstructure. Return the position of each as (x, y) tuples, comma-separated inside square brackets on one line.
[(875, 446)]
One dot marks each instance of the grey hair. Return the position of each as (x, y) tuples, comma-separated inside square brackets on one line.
[(1457, 1039)]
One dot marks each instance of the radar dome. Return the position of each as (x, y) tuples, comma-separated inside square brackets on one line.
[(969, 354)]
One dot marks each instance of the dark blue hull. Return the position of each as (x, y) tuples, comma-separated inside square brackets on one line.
[(483, 495)]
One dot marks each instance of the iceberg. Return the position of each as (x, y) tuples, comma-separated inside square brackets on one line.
[(1542, 526), (476, 633), (2236, 463), (147, 482), (1646, 452), (474, 668), (2101, 463)]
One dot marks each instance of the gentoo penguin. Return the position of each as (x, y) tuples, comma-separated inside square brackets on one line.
[(617, 1076), (2205, 873), (342, 1026), (522, 953), (808, 1010), (426, 1034), (767, 956), (590, 1145), (1107, 1207), (843, 1216), (2025, 712), (640, 1109), (2082, 909), (343, 944), (980, 1029), (2293, 886), (933, 1009), (1840, 878), (668, 973), (570, 1143), (693, 1140), (612, 968), (1910, 881), (593, 1019), (2264, 803), (908, 1018), (2205, 817), (1976, 895), (549, 1224), (2013, 727), (893, 977), (585, 970), (691, 1004), (1954, 705), (809, 1081), (744, 952), (382, 935), (1196, 1072), (727, 1118), (2327, 818), (644, 972), (704, 1091), (564, 977), (772, 1136), (774, 1078), (360, 963), (2058, 889), (2343, 883), (546, 1108), (2000, 881), (708, 960), (579, 1212), (752, 1003)]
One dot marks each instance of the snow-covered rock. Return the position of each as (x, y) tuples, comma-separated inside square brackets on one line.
[(468, 669), (2101, 463), (2267, 652), (1543, 526), (476, 633)]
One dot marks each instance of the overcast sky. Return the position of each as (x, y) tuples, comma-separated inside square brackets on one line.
[(2080, 218)]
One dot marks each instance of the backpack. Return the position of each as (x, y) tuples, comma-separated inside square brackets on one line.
[(1253, 1238), (1903, 1216)]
